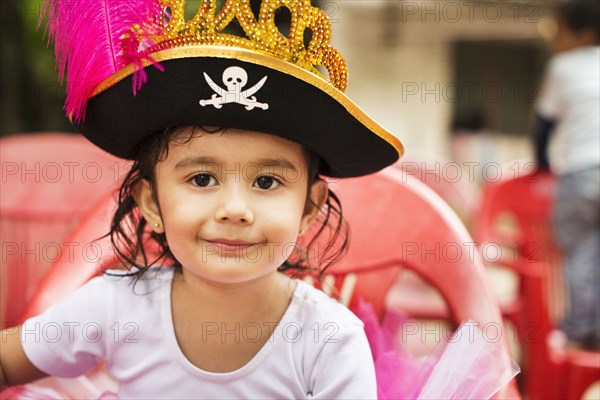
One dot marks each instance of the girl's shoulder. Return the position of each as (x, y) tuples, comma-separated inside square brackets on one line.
[(152, 277), (317, 306), (573, 60), (121, 284)]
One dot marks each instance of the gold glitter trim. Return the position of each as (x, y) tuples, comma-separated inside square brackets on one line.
[(268, 62), (169, 29)]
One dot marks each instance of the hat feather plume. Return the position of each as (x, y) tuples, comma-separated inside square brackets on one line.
[(94, 38)]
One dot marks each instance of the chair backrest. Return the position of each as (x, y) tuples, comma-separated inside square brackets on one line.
[(49, 182), (516, 211), (515, 214), (395, 220), (72, 269)]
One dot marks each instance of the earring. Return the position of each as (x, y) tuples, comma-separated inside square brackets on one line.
[(156, 224), (301, 233)]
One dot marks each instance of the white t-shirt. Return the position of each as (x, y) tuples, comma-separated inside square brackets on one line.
[(571, 96), (318, 350)]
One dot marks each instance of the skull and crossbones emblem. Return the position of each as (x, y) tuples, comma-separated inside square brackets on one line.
[(234, 78)]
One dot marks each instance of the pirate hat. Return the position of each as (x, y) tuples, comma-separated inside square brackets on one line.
[(135, 67)]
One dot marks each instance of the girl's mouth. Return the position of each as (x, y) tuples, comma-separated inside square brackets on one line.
[(226, 245)]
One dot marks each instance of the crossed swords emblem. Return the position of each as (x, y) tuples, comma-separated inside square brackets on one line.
[(234, 78)]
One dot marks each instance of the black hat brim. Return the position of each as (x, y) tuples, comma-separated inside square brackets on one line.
[(302, 107)]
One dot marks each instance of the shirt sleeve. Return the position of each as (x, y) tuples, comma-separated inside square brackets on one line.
[(541, 131), (549, 104), (69, 338), (344, 369)]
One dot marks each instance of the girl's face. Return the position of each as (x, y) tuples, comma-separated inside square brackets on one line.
[(231, 204)]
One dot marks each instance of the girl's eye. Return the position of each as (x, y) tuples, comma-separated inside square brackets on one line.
[(267, 182), (204, 180)]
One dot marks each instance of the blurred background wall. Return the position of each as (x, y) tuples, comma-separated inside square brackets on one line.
[(451, 78)]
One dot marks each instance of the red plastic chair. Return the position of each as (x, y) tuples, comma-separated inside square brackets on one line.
[(49, 182), (457, 188), (515, 216), (375, 257), (73, 269)]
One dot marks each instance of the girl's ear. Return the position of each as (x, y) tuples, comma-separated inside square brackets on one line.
[(319, 192), (144, 198)]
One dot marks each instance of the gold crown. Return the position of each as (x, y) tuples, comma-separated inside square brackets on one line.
[(207, 28)]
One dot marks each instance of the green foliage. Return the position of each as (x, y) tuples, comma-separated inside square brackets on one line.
[(32, 98)]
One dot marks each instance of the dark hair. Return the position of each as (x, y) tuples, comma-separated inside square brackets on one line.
[(139, 248), (581, 15)]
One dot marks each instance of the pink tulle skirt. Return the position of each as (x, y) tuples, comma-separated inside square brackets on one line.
[(468, 365)]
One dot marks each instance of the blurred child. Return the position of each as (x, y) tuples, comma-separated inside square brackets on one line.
[(569, 109)]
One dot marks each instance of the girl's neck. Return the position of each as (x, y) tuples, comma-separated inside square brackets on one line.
[(260, 299)]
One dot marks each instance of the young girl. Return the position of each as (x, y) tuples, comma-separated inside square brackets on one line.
[(230, 137)]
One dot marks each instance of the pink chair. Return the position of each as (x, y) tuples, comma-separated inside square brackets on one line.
[(72, 270), (515, 215), (49, 182), (67, 273)]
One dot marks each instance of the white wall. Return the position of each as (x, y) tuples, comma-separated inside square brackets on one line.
[(404, 84)]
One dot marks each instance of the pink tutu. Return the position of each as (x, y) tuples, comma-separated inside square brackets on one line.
[(467, 366)]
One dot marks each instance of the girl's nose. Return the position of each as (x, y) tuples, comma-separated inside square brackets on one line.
[(234, 207)]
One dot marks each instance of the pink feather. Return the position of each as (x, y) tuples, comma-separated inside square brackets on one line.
[(91, 42)]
